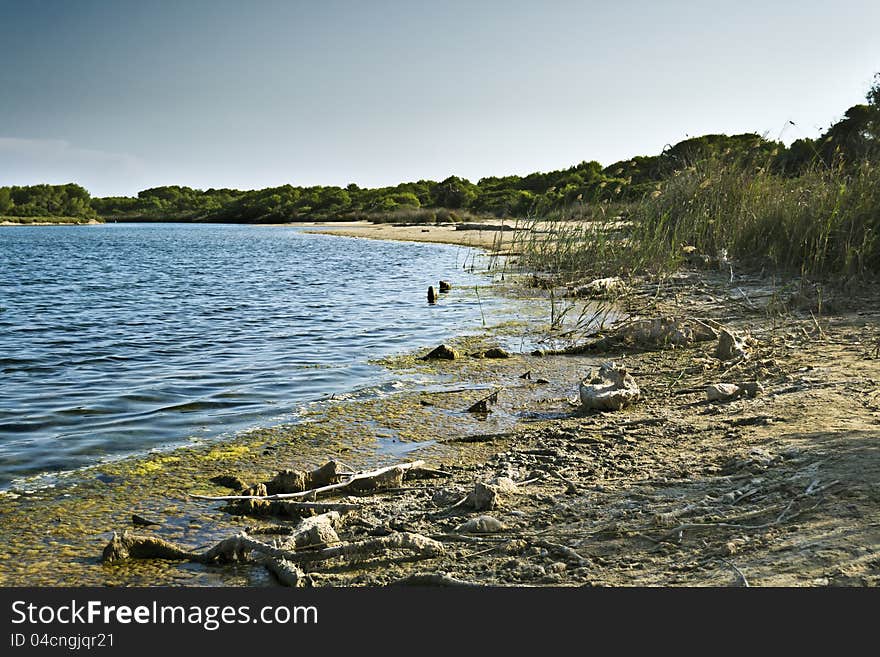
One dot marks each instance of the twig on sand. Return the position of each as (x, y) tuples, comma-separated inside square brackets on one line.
[(481, 552), (780, 518), (821, 333)]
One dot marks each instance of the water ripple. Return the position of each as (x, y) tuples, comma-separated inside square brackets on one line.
[(118, 338)]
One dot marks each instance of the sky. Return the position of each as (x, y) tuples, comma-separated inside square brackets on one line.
[(124, 95)]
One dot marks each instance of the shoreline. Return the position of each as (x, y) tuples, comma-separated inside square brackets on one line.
[(90, 222), (144, 472), (485, 238), (673, 491)]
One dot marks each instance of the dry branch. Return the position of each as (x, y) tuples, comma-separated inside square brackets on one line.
[(424, 546), (726, 523), (237, 549), (387, 477)]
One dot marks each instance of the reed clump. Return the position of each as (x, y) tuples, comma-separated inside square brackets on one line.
[(821, 224)]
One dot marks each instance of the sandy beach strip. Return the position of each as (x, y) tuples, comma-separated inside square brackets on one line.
[(444, 234)]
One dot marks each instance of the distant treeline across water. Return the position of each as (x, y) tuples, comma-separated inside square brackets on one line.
[(579, 189)]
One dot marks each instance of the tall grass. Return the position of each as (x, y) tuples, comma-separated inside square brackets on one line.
[(821, 224)]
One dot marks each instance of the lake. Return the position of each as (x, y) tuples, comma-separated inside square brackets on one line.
[(119, 338)]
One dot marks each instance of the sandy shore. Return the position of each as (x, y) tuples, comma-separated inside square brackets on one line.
[(444, 234), (90, 222)]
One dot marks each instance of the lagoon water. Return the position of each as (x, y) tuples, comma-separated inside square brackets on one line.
[(118, 338)]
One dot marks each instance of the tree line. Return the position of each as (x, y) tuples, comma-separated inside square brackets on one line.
[(69, 200), (851, 140)]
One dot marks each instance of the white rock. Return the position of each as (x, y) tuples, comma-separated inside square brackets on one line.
[(481, 525), (722, 391), (600, 287), (612, 389)]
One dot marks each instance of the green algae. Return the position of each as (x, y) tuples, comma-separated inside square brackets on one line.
[(153, 465)]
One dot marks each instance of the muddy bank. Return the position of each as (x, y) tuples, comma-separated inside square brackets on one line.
[(779, 487)]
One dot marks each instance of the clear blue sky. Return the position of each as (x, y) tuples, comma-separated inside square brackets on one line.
[(127, 94)]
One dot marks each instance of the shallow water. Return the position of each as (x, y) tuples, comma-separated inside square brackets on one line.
[(122, 337)]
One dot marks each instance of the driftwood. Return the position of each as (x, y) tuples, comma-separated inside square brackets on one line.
[(237, 549), (134, 546), (562, 551), (642, 335), (382, 478), (425, 547), (600, 287), (291, 552), (311, 531), (287, 573), (427, 473), (663, 331), (269, 530)]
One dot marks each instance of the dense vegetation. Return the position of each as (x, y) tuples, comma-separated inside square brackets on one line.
[(579, 189), (811, 209), (580, 186), (25, 204)]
